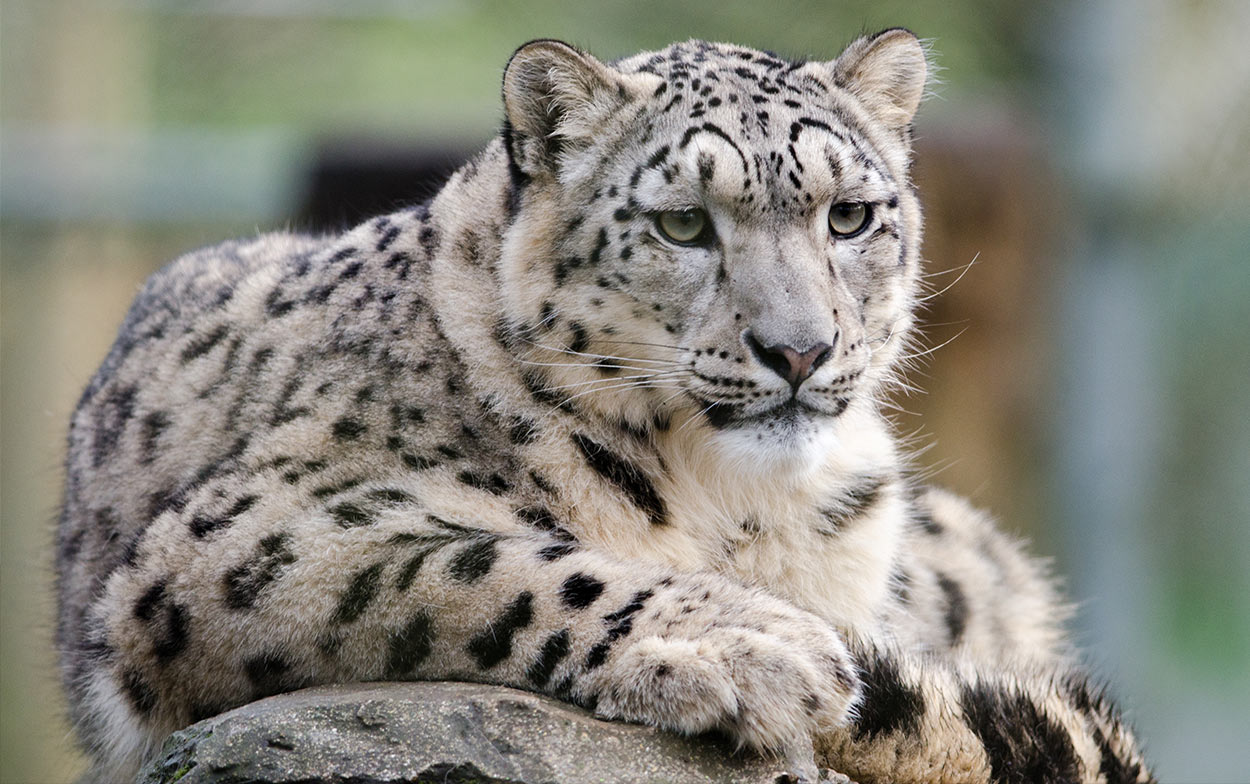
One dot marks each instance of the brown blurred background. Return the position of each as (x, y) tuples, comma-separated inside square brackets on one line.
[(1094, 160)]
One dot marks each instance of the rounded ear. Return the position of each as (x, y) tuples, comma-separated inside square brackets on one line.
[(886, 72), (554, 96)]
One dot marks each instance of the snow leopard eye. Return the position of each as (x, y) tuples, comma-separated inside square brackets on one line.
[(685, 227), (849, 218)]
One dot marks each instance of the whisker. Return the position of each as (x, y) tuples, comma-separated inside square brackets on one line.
[(642, 343), (940, 273), (626, 385), (929, 351), (670, 397), (937, 324), (596, 357), (887, 404), (612, 362), (665, 375), (886, 339), (697, 415), (948, 287), (550, 317), (629, 385), (899, 382)]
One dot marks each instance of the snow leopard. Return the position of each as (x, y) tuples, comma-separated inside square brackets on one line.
[(601, 420)]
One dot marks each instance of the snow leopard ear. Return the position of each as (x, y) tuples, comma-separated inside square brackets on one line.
[(555, 96), (886, 72)]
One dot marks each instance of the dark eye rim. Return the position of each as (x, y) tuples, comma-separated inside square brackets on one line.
[(863, 227), (702, 239)]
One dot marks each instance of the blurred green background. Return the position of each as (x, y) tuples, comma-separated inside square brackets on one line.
[(1093, 157)]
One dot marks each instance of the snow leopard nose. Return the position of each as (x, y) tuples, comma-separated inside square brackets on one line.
[(788, 362)]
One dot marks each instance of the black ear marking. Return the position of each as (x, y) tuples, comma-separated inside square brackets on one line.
[(552, 90), (556, 96)]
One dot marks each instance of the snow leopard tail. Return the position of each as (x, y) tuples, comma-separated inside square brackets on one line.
[(925, 719)]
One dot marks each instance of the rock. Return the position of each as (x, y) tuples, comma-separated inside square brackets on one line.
[(451, 733)]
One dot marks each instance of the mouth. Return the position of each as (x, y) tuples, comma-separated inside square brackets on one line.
[(790, 413)]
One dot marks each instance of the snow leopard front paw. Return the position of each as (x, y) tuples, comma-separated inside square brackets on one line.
[(764, 672)]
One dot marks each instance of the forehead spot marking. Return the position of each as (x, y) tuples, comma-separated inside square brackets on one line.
[(715, 130)]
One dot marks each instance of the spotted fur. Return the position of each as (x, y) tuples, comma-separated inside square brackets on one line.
[(521, 435)]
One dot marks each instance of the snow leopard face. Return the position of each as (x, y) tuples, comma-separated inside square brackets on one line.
[(736, 240)]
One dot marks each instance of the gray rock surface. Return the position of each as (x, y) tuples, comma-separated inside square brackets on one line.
[(453, 733)]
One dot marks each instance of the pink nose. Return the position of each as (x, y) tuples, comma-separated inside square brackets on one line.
[(788, 362)]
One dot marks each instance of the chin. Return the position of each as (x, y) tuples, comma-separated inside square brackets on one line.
[(791, 439)]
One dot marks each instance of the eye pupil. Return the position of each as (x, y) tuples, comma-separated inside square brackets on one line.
[(848, 218), (685, 227)]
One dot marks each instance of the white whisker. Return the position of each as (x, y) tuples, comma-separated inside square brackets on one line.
[(612, 362), (596, 357), (670, 397), (886, 404), (697, 415), (948, 287), (929, 351), (886, 339), (642, 343), (613, 380), (627, 385)]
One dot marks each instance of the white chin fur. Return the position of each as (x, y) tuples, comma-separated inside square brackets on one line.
[(794, 448)]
